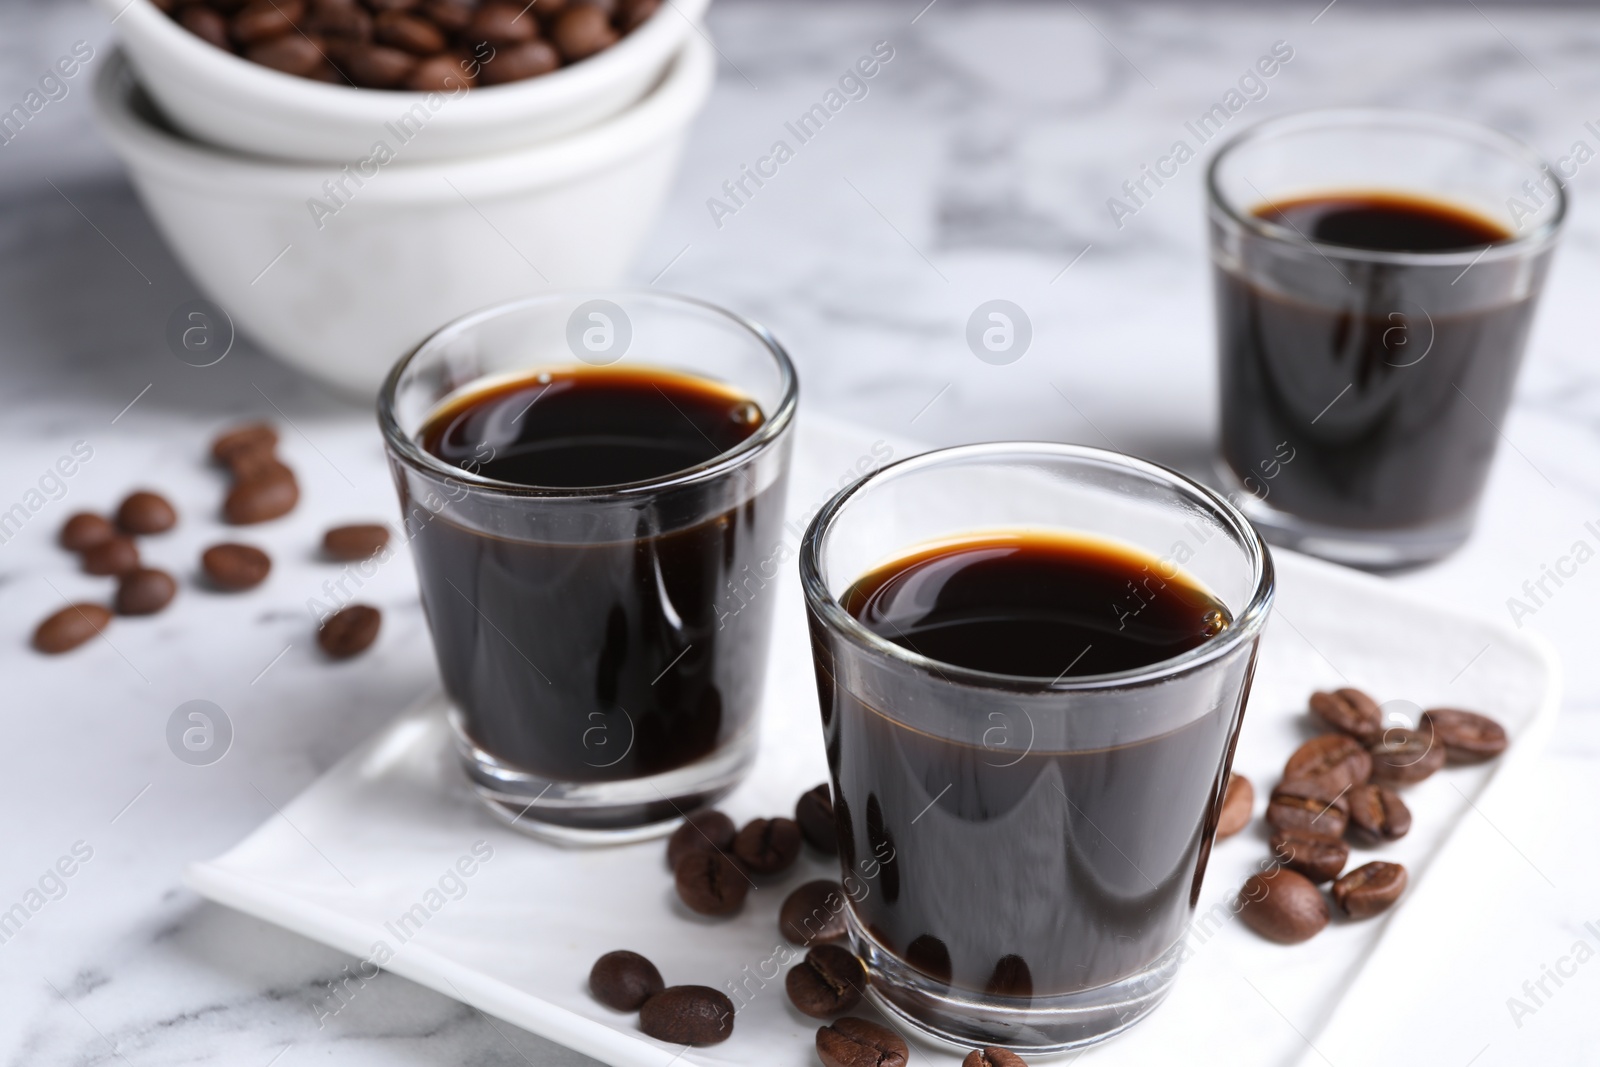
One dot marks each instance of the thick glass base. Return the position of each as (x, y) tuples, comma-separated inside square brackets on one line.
[(1374, 550), (966, 1020), (602, 813)]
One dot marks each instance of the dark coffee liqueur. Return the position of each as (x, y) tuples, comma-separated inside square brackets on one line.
[(635, 673), (1367, 391), (972, 894)]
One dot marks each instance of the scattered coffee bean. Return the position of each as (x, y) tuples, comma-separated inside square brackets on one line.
[(1335, 761), (813, 913), (688, 1015), (704, 831), (1369, 889), (853, 1042), (1405, 757), (1308, 807), (767, 846), (814, 813), (234, 567), (1237, 804), (85, 530), (993, 1057), (1350, 711), (70, 627), (350, 631), (1282, 905), (624, 980), (145, 512), (1317, 857), (116, 556), (243, 440), (1467, 737), (710, 883), (352, 543), (270, 494), (145, 591), (828, 982), (1377, 814)]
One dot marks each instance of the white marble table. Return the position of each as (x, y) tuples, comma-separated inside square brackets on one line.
[(977, 167)]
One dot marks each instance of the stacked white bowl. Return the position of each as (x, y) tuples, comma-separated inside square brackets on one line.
[(339, 256)]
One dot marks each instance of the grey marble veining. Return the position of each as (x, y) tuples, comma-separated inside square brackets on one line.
[(977, 166)]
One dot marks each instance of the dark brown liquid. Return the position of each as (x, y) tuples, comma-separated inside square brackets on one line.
[(1022, 864), (588, 659), (1373, 403)]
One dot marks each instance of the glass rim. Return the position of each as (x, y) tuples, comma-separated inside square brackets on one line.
[(1394, 117), (406, 448), (1247, 624)]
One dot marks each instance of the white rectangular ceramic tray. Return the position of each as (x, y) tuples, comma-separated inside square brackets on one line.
[(382, 835)]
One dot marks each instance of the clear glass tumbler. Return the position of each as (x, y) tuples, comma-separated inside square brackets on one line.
[(1026, 852), (1364, 390), (604, 648)]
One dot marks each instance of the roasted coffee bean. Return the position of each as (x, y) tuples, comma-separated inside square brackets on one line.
[(581, 31), (1317, 857), (452, 16), (343, 19), (1237, 805), (704, 831), (357, 542), (814, 813), (70, 627), (1369, 889), (444, 73), (812, 913), (145, 512), (710, 883), (234, 567), (518, 61), (117, 556), (145, 591), (408, 33), (501, 24), (634, 13), (1377, 814), (853, 1042), (250, 438), (1467, 737), (350, 631), (1282, 905), (688, 1015), (624, 980), (767, 846), (1335, 761), (207, 25), (1404, 757), (268, 495), (993, 1057), (828, 982), (373, 66), (85, 530), (392, 5), (1350, 711), (262, 20), (1309, 808), (292, 53)]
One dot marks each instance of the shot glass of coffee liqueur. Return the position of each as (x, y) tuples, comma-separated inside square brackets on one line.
[(1032, 661), (1376, 276), (592, 486)]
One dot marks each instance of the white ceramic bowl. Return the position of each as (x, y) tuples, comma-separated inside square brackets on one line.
[(344, 289), (218, 97)]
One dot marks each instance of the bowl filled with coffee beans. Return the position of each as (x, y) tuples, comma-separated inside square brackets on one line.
[(318, 81), (341, 271)]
